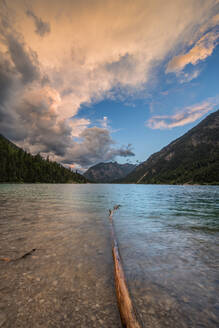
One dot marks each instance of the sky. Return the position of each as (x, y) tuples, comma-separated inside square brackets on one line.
[(89, 81)]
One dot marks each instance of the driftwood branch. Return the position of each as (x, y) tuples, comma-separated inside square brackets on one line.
[(7, 259), (126, 308)]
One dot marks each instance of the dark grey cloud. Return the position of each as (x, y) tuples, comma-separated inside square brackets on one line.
[(42, 27), (29, 107), (19, 56), (32, 120), (8, 81), (96, 145), (6, 78), (123, 152), (25, 61), (19, 70)]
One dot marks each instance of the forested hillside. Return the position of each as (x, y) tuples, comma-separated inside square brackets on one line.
[(190, 159), (16, 165)]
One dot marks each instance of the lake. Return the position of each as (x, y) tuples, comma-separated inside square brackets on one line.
[(169, 243)]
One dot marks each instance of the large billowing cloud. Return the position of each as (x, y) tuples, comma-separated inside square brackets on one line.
[(80, 52), (96, 146)]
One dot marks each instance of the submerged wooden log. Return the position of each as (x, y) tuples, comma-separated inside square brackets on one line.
[(7, 259), (126, 308)]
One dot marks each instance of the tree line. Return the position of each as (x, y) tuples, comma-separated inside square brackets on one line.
[(16, 165)]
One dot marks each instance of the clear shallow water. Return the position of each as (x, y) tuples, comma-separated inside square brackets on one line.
[(169, 243)]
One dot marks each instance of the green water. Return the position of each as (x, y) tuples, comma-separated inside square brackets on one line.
[(169, 243)]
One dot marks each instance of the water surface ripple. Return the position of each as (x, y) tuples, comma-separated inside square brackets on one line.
[(169, 243)]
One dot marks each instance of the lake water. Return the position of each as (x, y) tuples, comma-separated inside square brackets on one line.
[(169, 243)]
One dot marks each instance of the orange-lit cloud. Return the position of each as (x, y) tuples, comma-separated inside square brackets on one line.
[(94, 46), (185, 116), (200, 51), (56, 56)]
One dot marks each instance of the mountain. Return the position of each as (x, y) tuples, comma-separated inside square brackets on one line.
[(190, 159), (16, 165), (108, 172)]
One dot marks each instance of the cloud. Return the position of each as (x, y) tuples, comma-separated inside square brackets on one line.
[(35, 125), (31, 119), (202, 49), (78, 126), (6, 78), (95, 50), (42, 28), (25, 61), (16, 54), (185, 77), (185, 116), (104, 122), (95, 146), (104, 49)]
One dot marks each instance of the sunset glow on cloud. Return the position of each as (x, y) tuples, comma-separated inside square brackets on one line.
[(184, 116), (59, 60), (200, 51)]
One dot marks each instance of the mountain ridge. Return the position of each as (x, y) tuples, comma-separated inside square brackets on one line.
[(108, 171), (190, 159)]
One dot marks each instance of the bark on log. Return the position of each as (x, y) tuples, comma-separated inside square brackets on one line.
[(126, 308)]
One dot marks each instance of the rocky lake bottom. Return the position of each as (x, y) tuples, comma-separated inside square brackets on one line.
[(169, 243)]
